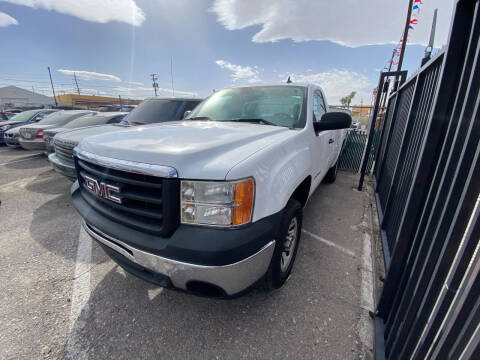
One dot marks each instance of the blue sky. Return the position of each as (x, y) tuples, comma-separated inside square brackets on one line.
[(114, 45)]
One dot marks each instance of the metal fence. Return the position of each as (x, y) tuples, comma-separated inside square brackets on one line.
[(427, 185), (354, 149)]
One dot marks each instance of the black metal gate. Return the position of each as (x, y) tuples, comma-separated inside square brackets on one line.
[(427, 186)]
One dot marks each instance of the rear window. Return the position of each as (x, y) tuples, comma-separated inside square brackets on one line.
[(155, 111), (61, 118), (87, 120)]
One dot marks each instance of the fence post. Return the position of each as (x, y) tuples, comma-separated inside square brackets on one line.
[(366, 157)]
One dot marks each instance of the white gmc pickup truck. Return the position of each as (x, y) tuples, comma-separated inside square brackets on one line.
[(211, 204)]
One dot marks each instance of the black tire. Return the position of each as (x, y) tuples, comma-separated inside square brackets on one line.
[(277, 273), (331, 174)]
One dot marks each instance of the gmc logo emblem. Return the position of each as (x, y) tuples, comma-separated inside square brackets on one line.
[(103, 190)]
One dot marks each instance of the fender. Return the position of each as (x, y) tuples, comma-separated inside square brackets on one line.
[(277, 170)]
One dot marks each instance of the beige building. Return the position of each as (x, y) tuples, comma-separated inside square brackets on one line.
[(92, 101)]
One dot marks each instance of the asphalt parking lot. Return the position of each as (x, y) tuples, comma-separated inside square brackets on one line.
[(62, 297)]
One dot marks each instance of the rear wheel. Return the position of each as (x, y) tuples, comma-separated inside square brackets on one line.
[(331, 174), (286, 245)]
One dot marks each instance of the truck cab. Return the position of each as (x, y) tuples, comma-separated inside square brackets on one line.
[(211, 204)]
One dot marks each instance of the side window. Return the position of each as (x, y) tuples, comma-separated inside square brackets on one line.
[(38, 117), (318, 105)]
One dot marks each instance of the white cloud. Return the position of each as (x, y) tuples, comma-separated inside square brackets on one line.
[(241, 73), (100, 11), (346, 22), (6, 20), (137, 83), (338, 83), (90, 75)]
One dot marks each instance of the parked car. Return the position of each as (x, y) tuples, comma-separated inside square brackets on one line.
[(11, 137), (150, 111), (81, 122), (117, 108), (5, 116), (214, 203), (31, 136), (23, 118)]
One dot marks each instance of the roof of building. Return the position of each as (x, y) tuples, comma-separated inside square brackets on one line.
[(16, 95)]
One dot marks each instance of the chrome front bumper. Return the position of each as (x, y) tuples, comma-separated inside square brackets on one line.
[(63, 168), (232, 278)]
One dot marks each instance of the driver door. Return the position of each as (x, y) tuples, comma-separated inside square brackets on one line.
[(321, 155)]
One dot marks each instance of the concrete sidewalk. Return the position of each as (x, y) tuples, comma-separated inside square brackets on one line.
[(62, 297)]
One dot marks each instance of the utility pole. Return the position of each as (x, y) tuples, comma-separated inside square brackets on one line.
[(119, 98), (154, 82), (53, 90), (404, 40), (171, 75), (76, 83)]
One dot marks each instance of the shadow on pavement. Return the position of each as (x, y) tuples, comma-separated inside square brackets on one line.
[(28, 162), (56, 226), (313, 315), (50, 182)]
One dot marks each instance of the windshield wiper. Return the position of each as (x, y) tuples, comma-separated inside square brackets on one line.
[(199, 118), (254, 120), (137, 123)]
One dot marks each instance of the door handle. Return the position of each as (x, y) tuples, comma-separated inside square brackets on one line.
[(330, 141)]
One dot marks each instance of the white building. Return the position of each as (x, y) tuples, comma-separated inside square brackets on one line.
[(12, 96)]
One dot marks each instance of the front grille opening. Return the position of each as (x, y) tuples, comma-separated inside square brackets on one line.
[(148, 203), (205, 289)]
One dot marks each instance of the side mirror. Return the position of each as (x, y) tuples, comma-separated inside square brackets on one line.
[(333, 121), (186, 113)]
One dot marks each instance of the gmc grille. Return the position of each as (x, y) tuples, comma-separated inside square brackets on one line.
[(148, 203), (64, 152)]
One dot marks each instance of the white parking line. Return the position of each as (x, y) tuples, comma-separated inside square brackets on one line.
[(22, 159), (329, 243), (80, 296)]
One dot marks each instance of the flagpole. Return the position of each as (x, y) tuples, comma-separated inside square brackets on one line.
[(404, 40)]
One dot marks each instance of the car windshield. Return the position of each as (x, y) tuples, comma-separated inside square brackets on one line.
[(156, 111), (61, 118), (24, 116), (274, 105), (87, 120)]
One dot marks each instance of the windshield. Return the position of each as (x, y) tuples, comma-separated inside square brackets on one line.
[(24, 116), (60, 118), (156, 111), (278, 105), (87, 120)]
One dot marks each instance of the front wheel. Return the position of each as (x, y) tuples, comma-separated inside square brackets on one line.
[(286, 245)]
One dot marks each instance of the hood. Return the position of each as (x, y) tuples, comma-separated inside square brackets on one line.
[(13, 123), (196, 149), (74, 136)]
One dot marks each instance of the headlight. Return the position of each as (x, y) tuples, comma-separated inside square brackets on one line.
[(5, 127), (221, 203)]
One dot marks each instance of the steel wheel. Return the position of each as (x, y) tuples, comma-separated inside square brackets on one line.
[(289, 245)]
